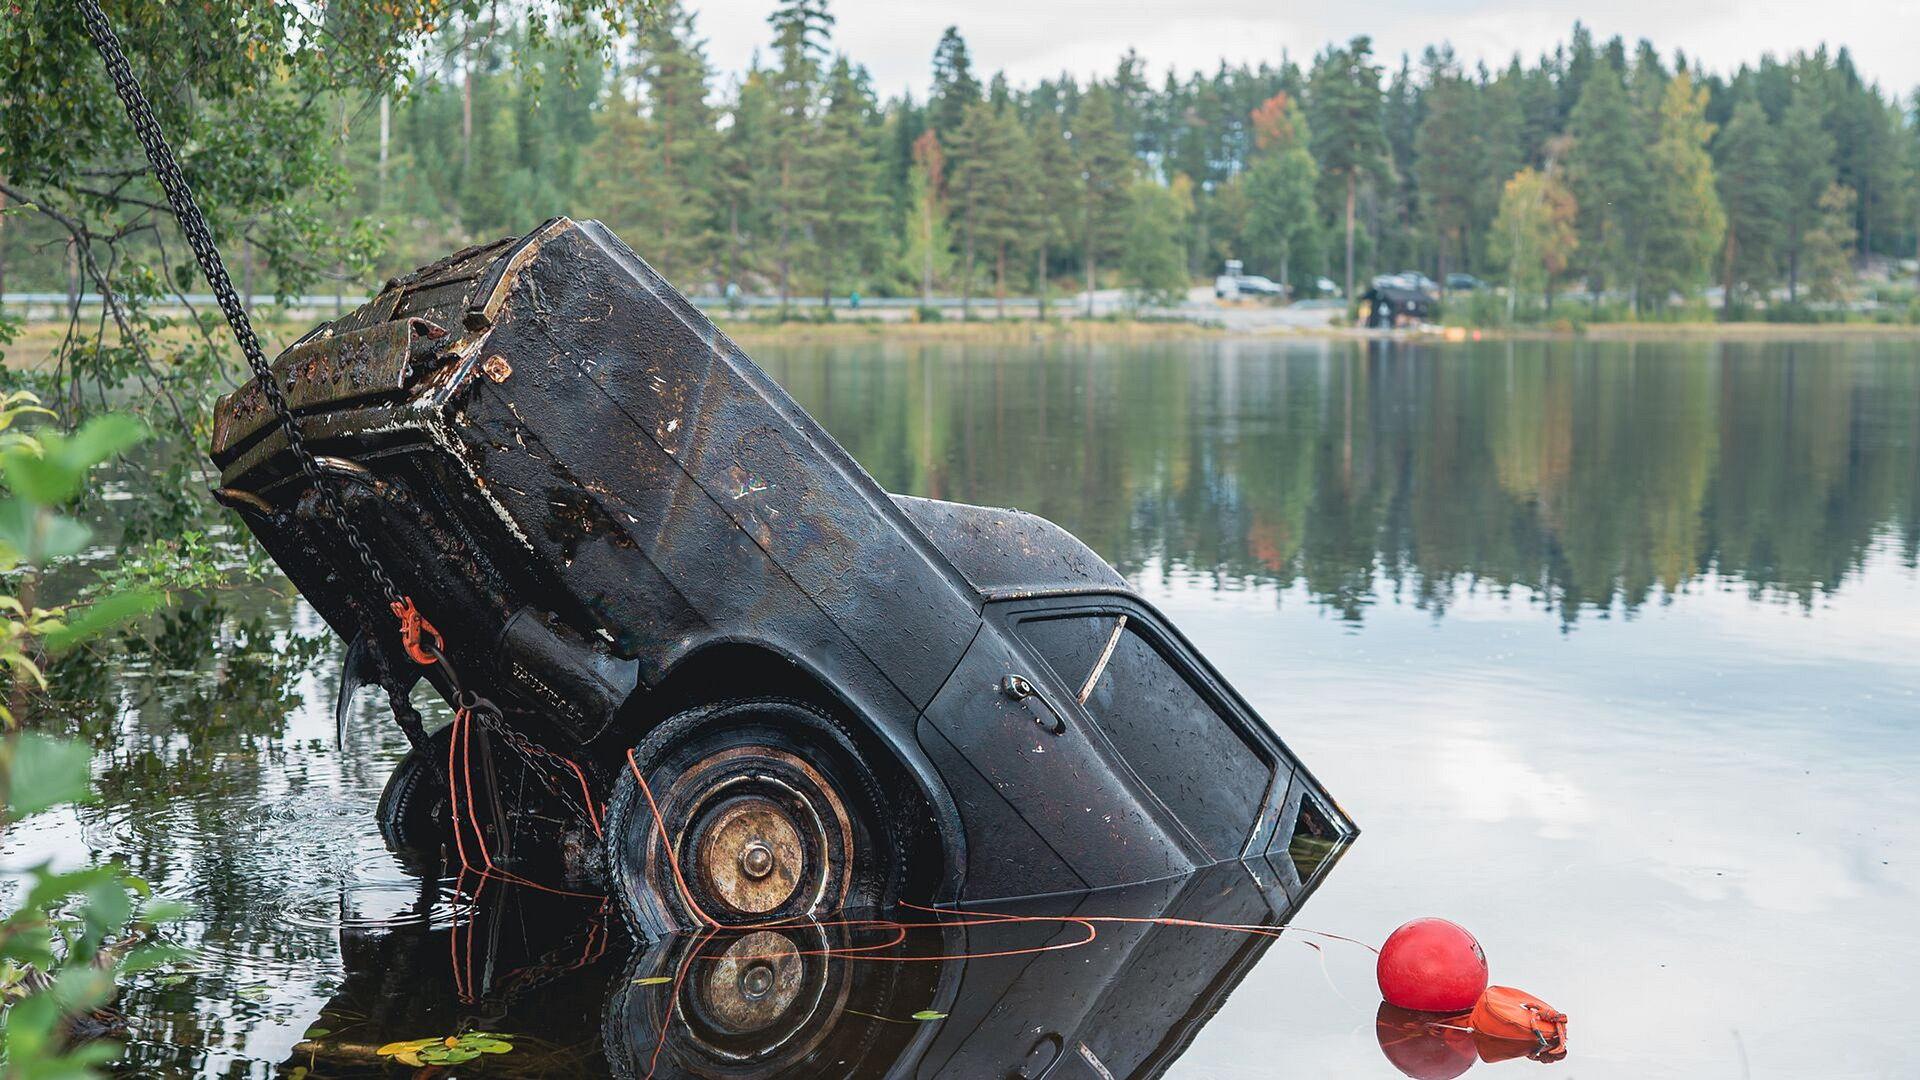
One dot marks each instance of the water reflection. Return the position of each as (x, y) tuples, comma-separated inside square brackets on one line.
[(1586, 477), (1729, 768), (1118, 983)]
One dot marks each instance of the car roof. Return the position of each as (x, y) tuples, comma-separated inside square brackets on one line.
[(1006, 554)]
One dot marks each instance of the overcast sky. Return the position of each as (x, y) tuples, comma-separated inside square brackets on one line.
[(1031, 39)]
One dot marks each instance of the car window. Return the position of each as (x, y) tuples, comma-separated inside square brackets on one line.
[(1193, 759)]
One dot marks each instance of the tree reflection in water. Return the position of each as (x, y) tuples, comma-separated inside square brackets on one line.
[(1589, 476), (1586, 478)]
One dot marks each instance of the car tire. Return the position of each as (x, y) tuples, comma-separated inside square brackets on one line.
[(415, 811), (770, 814)]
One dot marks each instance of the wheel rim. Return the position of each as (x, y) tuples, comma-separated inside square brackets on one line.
[(759, 835)]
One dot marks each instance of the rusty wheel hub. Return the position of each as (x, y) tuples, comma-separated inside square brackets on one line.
[(754, 982), (751, 854)]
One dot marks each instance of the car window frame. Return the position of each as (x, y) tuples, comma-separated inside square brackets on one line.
[(1186, 661)]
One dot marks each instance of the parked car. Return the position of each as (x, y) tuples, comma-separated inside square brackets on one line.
[(1226, 286), (1420, 281), (714, 647), (1464, 282)]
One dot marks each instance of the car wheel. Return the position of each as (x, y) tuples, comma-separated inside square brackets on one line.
[(545, 832), (753, 813), (415, 812)]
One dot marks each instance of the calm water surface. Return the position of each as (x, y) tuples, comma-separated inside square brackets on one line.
[(1611, 650)]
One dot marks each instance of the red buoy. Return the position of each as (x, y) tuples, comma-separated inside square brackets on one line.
[(1432, 965)]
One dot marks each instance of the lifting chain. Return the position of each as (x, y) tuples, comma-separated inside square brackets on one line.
[(166, 169), (180, 197)]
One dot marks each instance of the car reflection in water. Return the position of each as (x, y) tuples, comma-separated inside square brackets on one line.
[(1097, 985)]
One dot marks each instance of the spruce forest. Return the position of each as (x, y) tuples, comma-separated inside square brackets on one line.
[(1604, 173)]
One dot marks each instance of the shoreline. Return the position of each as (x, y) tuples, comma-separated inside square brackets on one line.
[(34, 343)]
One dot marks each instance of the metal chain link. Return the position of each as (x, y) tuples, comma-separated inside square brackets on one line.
[(179, 196), (166, 170)]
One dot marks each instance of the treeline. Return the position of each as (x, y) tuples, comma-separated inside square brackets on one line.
[(1601, 168)]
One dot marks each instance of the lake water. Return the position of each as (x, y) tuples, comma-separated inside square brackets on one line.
[(1613, 651)]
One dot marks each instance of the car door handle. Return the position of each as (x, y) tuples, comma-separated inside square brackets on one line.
[(1020, 688)]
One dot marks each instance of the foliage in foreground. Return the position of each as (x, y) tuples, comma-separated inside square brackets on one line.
[(73, 932)]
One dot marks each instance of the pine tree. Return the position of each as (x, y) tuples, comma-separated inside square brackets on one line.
[(954, 85), (1748, 171), (1106, 173), (1829, 244), (1343, 103), (1607, 172), (800, 29), (1806, 171), (847, 219), (1057, 181), (1450, 155), (748, 168), (1685, 221), (655, 170), (994, 191)]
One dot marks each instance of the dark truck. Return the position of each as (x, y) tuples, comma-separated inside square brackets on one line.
[(789, 691)]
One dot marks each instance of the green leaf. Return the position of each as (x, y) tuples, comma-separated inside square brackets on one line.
[(28, 948), (317, 1033), (47, 772), (61, 536), (108, 906), (17, 539), (100, 616), (102, 437), (653, 980), (152, 957), (49, 888), (54, 476), (39, 479), (929, 1014)]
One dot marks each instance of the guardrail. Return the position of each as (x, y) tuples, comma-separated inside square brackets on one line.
[(310, 301)]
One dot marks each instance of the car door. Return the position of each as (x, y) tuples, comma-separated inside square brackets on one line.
[(1204, 758), (1004, 737)]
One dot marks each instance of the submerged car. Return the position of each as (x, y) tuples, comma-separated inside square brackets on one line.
[(759, 685)]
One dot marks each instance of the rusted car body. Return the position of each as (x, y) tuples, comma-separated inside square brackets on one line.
[(623, 527)]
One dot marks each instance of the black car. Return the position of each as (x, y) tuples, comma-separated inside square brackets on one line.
[(719, 652)]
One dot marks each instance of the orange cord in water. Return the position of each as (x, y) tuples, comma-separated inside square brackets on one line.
[(460, 744)]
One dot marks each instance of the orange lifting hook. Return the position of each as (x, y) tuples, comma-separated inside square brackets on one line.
[(411, 624)]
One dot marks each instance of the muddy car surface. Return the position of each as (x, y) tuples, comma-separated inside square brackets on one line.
[(773, 689)]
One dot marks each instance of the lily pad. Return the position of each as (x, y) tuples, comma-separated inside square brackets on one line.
[(446, 1049)]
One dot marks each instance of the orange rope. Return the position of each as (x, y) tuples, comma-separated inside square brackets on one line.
[(666, 843), (462, 735)]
